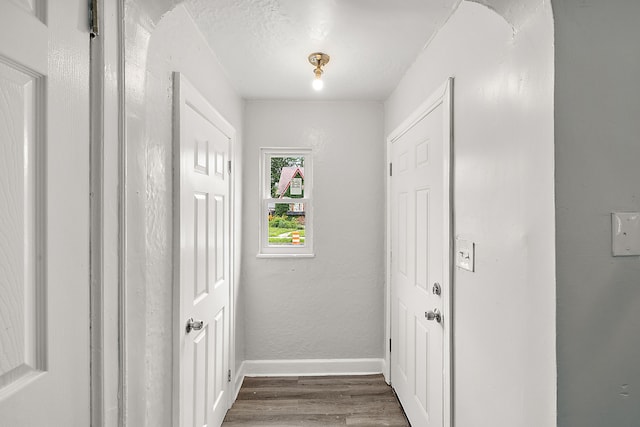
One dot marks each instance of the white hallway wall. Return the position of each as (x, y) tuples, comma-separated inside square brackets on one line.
[(159, 40), (330, 306), (504, 345)]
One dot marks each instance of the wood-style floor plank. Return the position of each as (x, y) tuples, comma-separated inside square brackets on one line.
[(356, 400)]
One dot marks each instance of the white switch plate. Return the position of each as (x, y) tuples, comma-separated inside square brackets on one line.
[(465, 254), (625, 233)]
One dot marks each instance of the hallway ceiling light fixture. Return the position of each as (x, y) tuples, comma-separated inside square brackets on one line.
[(318, 60)]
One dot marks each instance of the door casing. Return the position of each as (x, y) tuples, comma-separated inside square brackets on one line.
[(107, 168)]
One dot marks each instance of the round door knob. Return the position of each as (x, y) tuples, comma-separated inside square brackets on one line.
[(194, 325), (434, 315), (437, 290)]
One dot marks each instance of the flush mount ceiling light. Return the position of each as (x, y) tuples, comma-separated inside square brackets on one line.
[(318, 60)]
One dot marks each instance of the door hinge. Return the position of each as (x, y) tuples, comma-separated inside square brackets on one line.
[(389, 345), (93, 19), (390, 169), (229, 166), (229, 375)]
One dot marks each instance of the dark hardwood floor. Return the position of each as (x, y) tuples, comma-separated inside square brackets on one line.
[(363, 400)]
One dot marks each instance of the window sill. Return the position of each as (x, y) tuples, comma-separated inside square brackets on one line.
[(286, 256)]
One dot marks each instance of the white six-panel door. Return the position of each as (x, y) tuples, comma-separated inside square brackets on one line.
[(202, 193), (44, 213), (420, 269)]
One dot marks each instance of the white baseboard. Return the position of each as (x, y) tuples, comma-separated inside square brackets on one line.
[(264, 368), (386, 371), (239, 378)]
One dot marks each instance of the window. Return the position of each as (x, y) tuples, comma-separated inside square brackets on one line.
[(286, 202)]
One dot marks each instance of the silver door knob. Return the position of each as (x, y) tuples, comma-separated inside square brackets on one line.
[(437, 290), (434, 315), (194, 325)]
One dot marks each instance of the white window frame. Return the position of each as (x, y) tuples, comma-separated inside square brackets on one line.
[(288, 251)]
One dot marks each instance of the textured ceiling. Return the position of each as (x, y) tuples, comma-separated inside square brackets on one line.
[(263, 44)]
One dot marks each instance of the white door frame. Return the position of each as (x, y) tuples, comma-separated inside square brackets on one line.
[(443, 95), (107, 218), (108, 221), (229, 131)]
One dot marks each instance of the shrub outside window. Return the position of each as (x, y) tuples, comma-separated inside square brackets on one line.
[(286, 202)]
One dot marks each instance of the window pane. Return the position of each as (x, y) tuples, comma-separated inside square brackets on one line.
[(287, 177), (286, 224)]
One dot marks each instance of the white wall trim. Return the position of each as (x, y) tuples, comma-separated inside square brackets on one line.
[(387, 267), (238, 380), (386, 370), (295, 367), (108, 256), (97, 252)]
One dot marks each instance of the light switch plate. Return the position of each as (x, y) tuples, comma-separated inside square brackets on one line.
[(465, 254), (625, 233)]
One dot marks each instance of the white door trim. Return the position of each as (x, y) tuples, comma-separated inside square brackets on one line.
[(443, 95), (180, 82), (108, 249), (96, 233), (107, 218)]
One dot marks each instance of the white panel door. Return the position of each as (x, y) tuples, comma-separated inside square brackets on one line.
[(203, 259), (44, 213), (420, 239)]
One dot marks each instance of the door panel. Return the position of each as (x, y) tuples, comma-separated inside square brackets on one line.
[(402, 236), (200, 356), (219, 384), (422, 239), (219, 221), (402, 347), (201, 282), (203, 251), (22, 331), (44, 214), (421, 367), (420, 225)]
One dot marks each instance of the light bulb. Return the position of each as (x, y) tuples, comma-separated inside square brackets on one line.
[(318, 84)]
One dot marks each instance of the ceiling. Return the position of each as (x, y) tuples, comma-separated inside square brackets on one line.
[(263, 45)]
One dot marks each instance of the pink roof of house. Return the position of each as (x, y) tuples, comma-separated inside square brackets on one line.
[(288, 172)]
